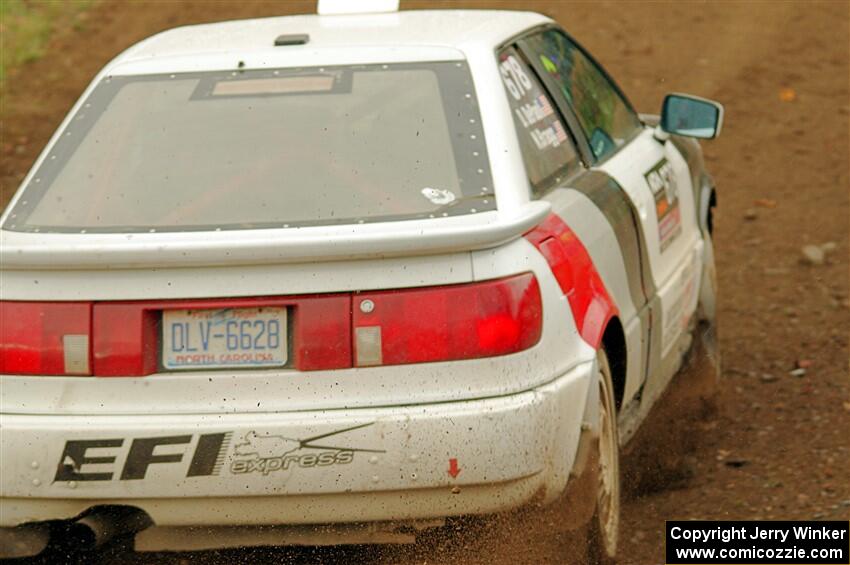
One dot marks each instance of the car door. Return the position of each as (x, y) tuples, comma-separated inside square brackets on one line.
[(652, 173)]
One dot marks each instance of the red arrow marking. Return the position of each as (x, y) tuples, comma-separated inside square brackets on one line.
[(454, 470)]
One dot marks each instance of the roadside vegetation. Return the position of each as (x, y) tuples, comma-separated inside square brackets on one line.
[(26, 27)]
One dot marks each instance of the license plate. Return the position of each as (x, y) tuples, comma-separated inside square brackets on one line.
[(224, 338)]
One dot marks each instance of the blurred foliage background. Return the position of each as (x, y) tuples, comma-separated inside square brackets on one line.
[(27, 25)]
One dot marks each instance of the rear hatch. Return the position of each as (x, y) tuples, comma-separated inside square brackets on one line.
[(263, 166), (227, 229)]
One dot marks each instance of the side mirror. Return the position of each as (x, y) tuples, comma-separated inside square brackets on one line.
[(691, 116)]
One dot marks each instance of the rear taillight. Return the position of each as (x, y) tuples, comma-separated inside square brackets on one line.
[(446, 323), (335, 331), (322, 334), (45, 338), (126, 339)]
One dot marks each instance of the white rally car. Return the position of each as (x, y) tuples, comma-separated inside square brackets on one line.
[(365, 271)]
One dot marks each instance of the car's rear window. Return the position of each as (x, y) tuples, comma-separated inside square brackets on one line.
[(271, 148)]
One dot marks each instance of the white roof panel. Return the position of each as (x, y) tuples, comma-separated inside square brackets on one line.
[(460, 29)]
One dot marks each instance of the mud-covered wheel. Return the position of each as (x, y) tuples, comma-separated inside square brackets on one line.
[(605, 526)]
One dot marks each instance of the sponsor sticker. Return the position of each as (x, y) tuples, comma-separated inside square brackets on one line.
[(662, 182), (203, 455), (266, 453), (438, 196)]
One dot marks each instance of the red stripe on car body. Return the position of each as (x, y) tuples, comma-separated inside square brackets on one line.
[(577, 276)]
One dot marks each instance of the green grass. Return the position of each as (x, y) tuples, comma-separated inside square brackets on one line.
[(26, 27)]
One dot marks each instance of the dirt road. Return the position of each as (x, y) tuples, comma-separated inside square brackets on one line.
[(777, 446)]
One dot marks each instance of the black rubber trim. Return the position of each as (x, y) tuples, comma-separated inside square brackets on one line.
[(621, 214)]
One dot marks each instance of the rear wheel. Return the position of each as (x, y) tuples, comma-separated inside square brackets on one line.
[(604, 529)]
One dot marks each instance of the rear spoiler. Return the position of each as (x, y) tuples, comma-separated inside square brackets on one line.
[(20, 251)]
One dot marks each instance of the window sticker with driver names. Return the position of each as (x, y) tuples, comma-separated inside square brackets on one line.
[(530, 105)]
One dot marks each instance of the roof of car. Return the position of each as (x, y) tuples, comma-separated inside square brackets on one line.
[(459, 29)]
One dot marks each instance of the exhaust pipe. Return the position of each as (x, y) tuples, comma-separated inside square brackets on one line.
[(94, 529), (100, 525), (23, 541)]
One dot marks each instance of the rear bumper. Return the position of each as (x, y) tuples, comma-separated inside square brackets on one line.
[(313, 467)]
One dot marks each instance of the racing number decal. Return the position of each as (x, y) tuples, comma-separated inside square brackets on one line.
[(662, 182), (516, 81)]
